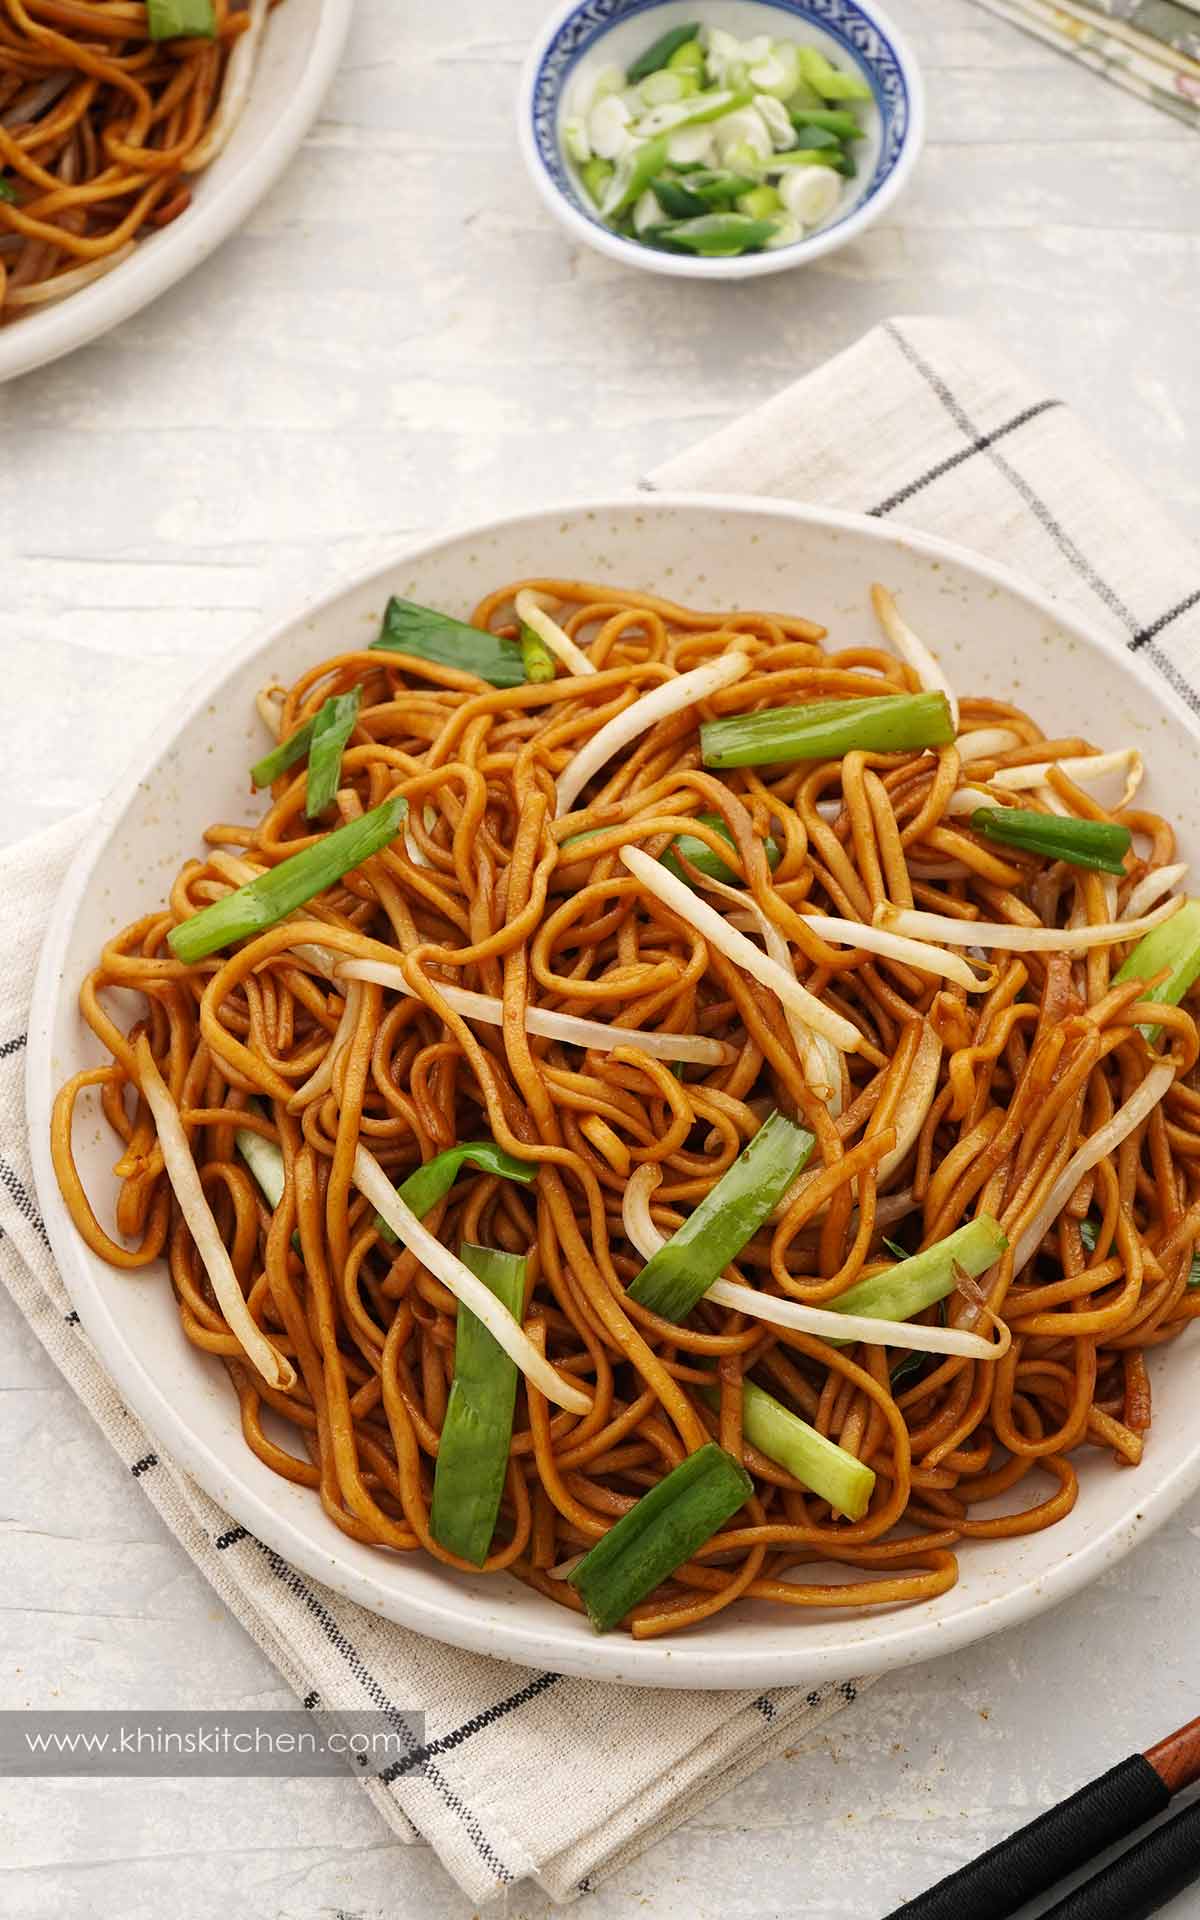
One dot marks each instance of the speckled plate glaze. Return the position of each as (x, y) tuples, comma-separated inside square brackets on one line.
[(302, 45), (997, 637)]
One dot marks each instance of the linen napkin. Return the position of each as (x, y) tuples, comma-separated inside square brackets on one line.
[(1149, 47), (530, 1774)]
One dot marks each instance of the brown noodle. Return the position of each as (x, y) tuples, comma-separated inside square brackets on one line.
[(101, 131), (1027, 1070)]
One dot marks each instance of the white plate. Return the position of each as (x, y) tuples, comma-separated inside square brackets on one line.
[(302, 45), (995, 637)]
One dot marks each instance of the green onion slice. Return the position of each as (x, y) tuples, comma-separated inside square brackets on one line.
[(332, 728), (678, 1276), (426, 635), (265, 1161), (181, 19), (925, 1278), (536, 657), (659, 52), (664, 1529), (713, 234), (472, 1456), (702, 857), (827, 729), (8, 191), (829, 1470), (428, 1184), (832, 83), (271, 896), (1097, 844), (1175, 946)]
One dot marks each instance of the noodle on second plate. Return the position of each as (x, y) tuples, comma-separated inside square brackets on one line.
[(439, 993)]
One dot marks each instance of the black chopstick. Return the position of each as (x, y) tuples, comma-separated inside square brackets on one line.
[(999, 1882), (1141, 1880)]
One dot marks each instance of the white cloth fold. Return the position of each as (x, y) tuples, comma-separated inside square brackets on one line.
[(530, 1774)]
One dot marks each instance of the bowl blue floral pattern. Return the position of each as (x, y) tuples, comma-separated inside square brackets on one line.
[(847, 24)]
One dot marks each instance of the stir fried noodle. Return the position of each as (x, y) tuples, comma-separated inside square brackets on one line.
[(103, 128), (944, 1116)]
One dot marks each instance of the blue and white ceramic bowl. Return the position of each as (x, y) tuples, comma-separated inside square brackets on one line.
[(584, 33)]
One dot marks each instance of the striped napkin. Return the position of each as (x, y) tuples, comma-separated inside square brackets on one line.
[(1149, 47), (530, 1774)]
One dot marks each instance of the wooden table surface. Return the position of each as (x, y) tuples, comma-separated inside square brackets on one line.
[(397, 340)]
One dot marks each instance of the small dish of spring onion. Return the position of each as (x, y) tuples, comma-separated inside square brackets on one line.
[(719, 143)]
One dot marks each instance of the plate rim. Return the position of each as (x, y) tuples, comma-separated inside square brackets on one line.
[(907, 1636), (59, 329)]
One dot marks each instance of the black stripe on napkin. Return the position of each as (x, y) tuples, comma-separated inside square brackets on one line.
[(24, 1202), (1144, 635), (14, 1045), (980, 443)]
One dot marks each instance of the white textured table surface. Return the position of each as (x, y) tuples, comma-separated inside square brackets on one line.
[(397, 340)]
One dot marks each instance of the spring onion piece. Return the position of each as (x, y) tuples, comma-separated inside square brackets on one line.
[(819, 1463), (332, 728), (260, 903), (181, 1170), (681, 1272), (536, 657), (1127, 1118), (838, 121), (669, 697), (472, 1457), (716, 234), (7, 191), (912, 648), (699, 191), (892, 946), (695, 1048), (1175, 945), (426, 635), (532, 613), (657, 1535), (701, 856), (1099, 845), (635, 169), (596, 174), (986, 742), (925, 1278), (736, 947), (1016, 939), (658, 54), (265, 1161), (270, 897), (181, 19), (428, 1184), (838, 1328), (266, 771), (832, 83), (1083, 769), (827, 729), (468, 1289)]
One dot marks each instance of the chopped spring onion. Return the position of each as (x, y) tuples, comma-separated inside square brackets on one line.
[(428, 1184), (270, 897), (715, 235), (265, 1161), (839, 1328), (658, 54), (669, 697), (181, 19), (663, 1530), (736, 947), (332, 728), (1140, 1104), (827, 729), (1083, 769), (681, 1272), (468, 1289), (635, 168), (472, 1457), (8, 192), (1099, 845), (1175, 945), (912, 648), (1015, 939), (832, 83), (925, 1278), (426, 635), (275, 1369), (986, 742), (912, 953), (532, 613), (835, 120), (819, 1463), (698, 192), (568, 1027), (701, 856), (266, 771), (536, 657)]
